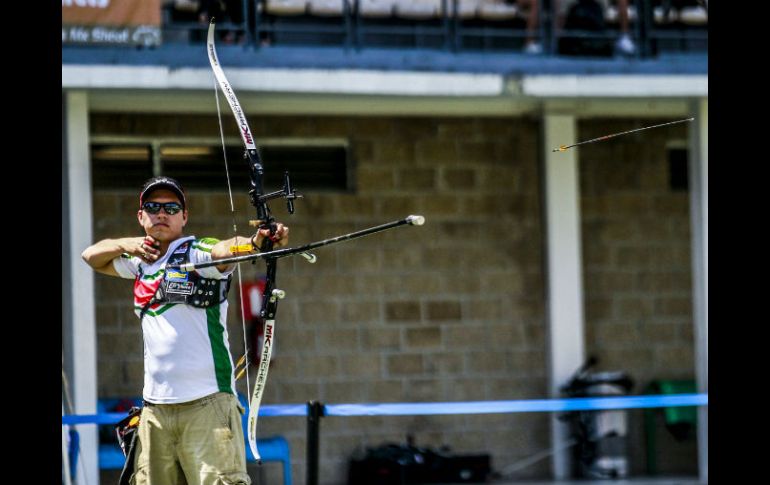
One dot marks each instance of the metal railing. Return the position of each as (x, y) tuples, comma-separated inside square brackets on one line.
[(655, 26)]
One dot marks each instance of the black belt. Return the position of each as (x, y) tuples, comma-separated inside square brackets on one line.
[(209, 397)]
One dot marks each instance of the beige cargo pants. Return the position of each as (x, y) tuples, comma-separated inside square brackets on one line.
[(194, 443)]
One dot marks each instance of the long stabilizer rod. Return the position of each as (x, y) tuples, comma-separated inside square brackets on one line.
[(413, 220)]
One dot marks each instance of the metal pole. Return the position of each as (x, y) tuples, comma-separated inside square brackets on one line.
[(66, 474), (357, 28), (348, 21), (258, 12), (315, 410)]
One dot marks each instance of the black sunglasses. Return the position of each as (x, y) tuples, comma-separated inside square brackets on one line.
[(171, 208)]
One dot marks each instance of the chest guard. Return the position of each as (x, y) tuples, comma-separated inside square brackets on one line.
[(189, 288)]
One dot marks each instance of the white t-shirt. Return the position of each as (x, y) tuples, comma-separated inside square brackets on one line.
[(186, 350)]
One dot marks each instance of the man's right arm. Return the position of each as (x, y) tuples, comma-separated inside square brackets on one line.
[(100, 255)]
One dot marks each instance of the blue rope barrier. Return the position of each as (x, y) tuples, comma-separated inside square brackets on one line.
[(445, 408), (520, 406), (113, 418)]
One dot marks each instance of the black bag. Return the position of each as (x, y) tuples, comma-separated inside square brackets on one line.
[(585, 15), (407, 464)]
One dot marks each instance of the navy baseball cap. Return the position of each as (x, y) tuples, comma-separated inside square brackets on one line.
[(162, 182)]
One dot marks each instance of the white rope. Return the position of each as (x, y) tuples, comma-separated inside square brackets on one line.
[(531, 460)]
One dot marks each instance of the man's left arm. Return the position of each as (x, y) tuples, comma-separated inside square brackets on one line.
[(222, 250)]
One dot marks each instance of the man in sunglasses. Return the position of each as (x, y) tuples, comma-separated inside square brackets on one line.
[(190, 428)]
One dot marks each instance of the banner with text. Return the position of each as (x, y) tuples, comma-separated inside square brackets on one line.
[(116, 22)]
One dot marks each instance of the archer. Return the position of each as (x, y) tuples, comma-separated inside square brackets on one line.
[(190, 426)]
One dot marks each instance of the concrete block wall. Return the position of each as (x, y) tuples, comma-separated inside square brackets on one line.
[(449, 311)]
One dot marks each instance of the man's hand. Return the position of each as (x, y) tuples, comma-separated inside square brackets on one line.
[(280, 238), (148, 250)]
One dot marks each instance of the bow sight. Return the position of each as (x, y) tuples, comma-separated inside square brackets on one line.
[(258, 199)]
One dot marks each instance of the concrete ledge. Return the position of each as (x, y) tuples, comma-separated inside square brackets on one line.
[(573, 86), (336, 81)]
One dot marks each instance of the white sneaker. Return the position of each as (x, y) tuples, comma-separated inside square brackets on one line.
[(625, 45), (533, 48)]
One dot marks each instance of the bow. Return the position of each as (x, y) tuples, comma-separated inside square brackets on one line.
[(271, 295), (265, 220)]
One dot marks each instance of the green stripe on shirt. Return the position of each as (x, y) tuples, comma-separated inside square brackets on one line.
[(204, 244), (222, 365), (155, 313), (154, 276)]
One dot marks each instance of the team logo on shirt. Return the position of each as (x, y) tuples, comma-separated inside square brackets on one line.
[(176, 276), (180, 287)]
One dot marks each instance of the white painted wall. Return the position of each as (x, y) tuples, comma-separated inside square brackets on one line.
[(699, 220), (80, 321), (564, 272)]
